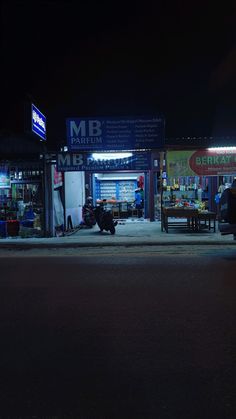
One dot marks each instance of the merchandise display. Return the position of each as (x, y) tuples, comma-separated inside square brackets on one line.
[(21, 204), (119, 195), (186, 192), (117, 189)]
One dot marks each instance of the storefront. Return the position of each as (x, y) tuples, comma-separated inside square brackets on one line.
[(21, 188), (195, 178), (117, 161), (122, 192), (124, 182)]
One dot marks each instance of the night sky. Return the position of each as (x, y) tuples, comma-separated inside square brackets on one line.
[(71, 58)]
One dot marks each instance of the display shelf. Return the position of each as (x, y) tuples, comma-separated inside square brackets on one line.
[(120, 190), (172, 197), (178, 199)]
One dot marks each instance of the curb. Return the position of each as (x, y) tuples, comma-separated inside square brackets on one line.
[(28, 246)]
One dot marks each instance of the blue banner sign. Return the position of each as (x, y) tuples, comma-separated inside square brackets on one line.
[(4, 176), (38, 122), (68, 162), (115, 133)]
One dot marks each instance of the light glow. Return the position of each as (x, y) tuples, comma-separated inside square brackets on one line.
[(111, 156), (222, 149)]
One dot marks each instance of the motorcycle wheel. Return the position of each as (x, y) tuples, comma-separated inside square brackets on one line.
[(112, 230)]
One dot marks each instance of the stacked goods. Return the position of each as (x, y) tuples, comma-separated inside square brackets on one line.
[(27, 232), (3, 229)]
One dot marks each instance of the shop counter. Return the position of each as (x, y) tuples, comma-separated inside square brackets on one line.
[(119, 208)]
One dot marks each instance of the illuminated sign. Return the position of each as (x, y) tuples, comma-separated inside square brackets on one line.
[(38, 121), (208, 162), (89, 162), (115, 133), (4, 177)]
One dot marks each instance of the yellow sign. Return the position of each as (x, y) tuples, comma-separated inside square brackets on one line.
[(178, 163), (201, 162)]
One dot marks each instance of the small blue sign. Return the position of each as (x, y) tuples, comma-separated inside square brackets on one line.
[(68, 162), (38, 122), (115, 133), (4, 176)]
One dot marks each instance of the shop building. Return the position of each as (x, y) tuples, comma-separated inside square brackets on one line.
[(115, 179), (197, 170), (186, 173), (117, 161)]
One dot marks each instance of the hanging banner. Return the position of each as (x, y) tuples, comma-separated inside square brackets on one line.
[(58, 178), (86, 162), (114, 133), (4, 176), (201, 162)]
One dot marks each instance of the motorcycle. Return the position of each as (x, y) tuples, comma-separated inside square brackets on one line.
[(227, 216), (104, 219), (89, 216)]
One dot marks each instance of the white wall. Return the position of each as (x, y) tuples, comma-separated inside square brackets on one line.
[(74, 196)]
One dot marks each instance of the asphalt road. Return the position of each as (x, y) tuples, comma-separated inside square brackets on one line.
[(118, 333)]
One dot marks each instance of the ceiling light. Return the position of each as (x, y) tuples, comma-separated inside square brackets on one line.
[(110, 156)]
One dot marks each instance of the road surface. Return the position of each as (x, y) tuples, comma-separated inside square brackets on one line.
[(118, 333)]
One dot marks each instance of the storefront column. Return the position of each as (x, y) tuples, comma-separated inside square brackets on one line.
[(48, 200), (151, 196)]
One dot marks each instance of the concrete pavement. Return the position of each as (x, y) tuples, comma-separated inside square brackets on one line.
[(128, 233)]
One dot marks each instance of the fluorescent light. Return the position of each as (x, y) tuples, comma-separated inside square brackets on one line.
[(222, 149), (110, 156)]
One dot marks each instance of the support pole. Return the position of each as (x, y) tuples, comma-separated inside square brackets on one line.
[(151, 196)]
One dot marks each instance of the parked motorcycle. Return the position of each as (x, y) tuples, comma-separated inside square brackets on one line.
[(88, 213), (89, 217), (227, 217), (105, 219)]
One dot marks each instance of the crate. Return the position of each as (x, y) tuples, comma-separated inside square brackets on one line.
[(13, 227)]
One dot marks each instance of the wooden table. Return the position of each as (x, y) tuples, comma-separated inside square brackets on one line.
[(195, 220), (188, 214), (205, 219)]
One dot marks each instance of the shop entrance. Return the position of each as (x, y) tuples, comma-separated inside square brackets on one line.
[(124, 182), (124, 193)]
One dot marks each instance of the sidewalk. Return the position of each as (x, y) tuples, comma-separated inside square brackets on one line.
[(128, 233)]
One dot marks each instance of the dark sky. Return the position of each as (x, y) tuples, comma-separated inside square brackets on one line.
[(121, 59)]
